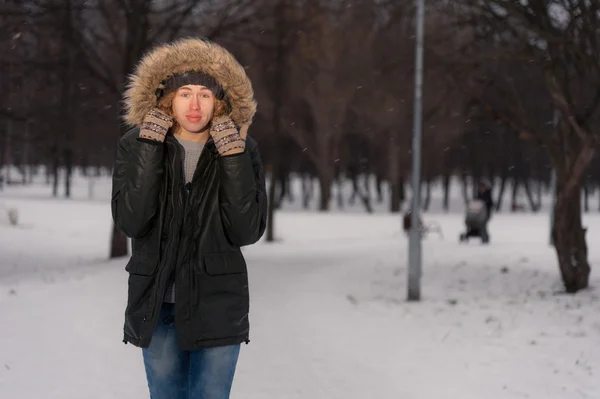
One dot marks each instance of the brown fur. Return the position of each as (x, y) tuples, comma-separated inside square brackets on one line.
[(166, 104), (185, 55)]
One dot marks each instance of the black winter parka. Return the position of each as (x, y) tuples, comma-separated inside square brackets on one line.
[(193, 231)]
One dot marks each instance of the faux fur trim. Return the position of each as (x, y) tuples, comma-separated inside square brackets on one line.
[(181, 56)]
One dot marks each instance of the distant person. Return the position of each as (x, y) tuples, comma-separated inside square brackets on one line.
[(479, 213), (189, 189), (407, 222), (484, 193)]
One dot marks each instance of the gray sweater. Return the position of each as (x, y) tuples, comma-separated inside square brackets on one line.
[(190, 155)]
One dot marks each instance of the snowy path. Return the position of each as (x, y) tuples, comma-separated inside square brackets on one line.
[(328, 314)]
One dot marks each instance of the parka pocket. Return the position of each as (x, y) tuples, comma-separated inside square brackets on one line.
[(222, 263), (142, 264)]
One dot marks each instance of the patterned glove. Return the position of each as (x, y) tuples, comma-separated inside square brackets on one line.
[(226, 135), (155, 126)]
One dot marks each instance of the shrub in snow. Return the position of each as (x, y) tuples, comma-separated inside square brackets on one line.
[(9, 215), (13, 216)]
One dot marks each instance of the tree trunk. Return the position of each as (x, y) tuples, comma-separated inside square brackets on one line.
[(287, 179), (366, 200), (354, 179), (568, 233), (271, 205), (68, 170), (427, 195), (281, 192), (26, 162), (446, 184), (569, 242), (8, 161), (394, 177), (539, 193), (402, 191), (465, 188), (501, 192), (91, 183), (32, 170), (532, 203), (586, 200), (325, 180), (394, 197), (48, 174), (55, 164), (306, 190), (515, 191), (378, 184), (3, 152), (136, 42), (367, 194), (276, 169), (340, 191), (476, 179)]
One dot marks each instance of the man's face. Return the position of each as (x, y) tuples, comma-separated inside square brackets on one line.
[(193, 107)]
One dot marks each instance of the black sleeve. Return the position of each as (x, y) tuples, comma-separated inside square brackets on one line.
[(136, 184), (243, 199), (489, 199)]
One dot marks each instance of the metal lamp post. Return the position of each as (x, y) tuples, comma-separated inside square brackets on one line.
[(414, 254)]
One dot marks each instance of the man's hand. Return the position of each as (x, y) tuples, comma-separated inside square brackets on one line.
[(226, 136), (155, 126)]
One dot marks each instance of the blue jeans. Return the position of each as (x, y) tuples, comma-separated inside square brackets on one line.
[(176, 374)]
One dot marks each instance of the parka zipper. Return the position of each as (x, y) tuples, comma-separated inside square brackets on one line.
[(187, 191), (176, 160)]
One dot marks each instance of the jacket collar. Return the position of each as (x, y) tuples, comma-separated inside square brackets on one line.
[(209, 145)]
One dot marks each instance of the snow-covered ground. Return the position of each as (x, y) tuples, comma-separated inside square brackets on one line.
[(328, 312)]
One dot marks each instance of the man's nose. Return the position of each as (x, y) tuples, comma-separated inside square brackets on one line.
[(194, 104)]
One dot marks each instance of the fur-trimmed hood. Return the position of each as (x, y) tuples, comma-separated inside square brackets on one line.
[(181, 56)]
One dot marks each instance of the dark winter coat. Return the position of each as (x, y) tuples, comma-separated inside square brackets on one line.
[(194, 230), (486, 197)]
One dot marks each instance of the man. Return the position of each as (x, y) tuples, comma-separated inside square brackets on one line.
[(484, 193), (188, 188)]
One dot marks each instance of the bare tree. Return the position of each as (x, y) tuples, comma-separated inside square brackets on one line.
[(555, 46), (116, 33), (324, 72)]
